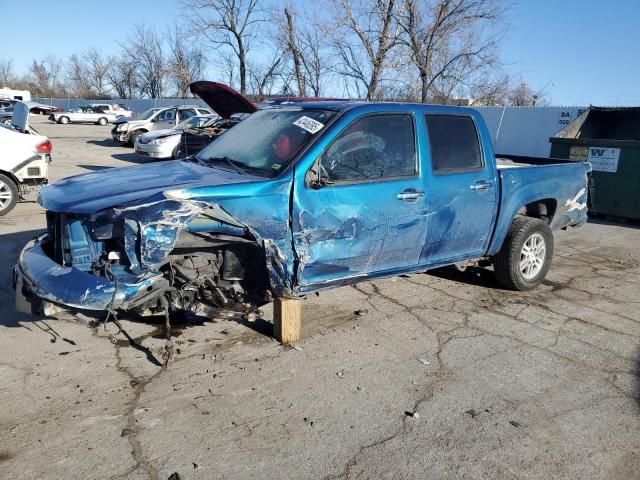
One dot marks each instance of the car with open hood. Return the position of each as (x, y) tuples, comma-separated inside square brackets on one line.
[(24, 158), (165, 144), (127, 130)]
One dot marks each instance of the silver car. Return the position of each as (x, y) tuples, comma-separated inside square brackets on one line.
[(164, 144), (83, 115), (127, 130)]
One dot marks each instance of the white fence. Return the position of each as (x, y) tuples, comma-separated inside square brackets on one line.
[(514, 130), (526, 130)]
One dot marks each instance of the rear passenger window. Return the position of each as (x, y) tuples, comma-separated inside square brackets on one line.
[(188, 113), (454, 144), (373, 147)]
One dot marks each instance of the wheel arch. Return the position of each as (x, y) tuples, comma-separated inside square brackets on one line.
[(13, 178), (535, 207)]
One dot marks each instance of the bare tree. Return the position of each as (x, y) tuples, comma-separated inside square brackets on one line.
[(447, 42), (522, 95), (304, 46), (227, 24), (262, 77), (314, 59), (45, 75), (144, 50), (7, 74), (97, 68), (494, 90), (77, 77), (288, 40), (185, 64), (365, 34), (122, 76)]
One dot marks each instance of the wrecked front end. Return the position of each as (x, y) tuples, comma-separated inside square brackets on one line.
[(151, 259)]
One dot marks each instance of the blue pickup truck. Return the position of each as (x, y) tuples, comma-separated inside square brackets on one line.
[(297, 199)]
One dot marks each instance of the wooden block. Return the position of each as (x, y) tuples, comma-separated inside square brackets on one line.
[(287, 319)]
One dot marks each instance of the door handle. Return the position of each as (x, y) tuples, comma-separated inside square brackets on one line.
[(480, 186), (410, 194)]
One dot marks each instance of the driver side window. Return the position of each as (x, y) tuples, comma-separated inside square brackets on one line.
[(372, 147)]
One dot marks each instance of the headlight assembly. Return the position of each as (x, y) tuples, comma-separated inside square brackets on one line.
[(158, 141), (123, 127)]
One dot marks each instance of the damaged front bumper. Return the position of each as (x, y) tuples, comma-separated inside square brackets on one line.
[(37, 277), (120, 137)]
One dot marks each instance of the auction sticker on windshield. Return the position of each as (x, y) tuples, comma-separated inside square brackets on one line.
[(309, 124)]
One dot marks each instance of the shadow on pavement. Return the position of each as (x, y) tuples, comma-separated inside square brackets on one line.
[(478, 276), (94, 167), (617, 221), (107, 142), (132, 158)]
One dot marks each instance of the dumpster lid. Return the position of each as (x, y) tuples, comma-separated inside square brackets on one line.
[(604, 123)]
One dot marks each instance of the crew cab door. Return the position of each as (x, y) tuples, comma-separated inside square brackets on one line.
[(462, 189), (367, 212)]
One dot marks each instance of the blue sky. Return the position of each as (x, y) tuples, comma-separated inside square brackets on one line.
[(580, 52)]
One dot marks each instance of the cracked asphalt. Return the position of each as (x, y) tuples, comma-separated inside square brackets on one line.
[(440, 375)]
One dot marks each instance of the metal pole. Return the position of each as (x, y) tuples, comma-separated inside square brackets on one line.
[(504, 109)]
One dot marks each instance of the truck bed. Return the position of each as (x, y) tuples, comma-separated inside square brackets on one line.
[(513, 161), (561, 183)]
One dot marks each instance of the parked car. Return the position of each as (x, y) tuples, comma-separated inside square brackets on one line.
[(114, 108), (165, 144), (43, 109), (24, 158), (231, 106), (193, 140), (100, 114), (297, 199), (127, 130), (6, 114), (6, 103)]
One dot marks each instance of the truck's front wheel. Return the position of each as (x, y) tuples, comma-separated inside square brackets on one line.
[(8, 195), (525, 257)]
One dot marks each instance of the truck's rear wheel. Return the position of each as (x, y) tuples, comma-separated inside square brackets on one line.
[(525, 257), (102, 121), (64, 120), (8, 195)]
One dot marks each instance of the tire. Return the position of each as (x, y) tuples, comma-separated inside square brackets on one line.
[(6, 121), (102, 121), (525, 257), (8, 195), (177, 153), (133, 136), (64, 120)]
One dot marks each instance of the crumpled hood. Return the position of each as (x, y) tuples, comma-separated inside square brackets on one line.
[(152, 135), (132, 123), (91, 192)]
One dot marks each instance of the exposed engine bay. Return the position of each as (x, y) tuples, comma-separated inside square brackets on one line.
[(158, 261)]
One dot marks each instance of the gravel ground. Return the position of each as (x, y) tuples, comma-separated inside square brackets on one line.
[(441, 375)]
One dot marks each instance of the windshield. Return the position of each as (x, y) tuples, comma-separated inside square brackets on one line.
[(194, 122), (267, 141), (147, 114)]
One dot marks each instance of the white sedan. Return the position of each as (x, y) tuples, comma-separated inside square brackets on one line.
[(164, 144), (24, 158), (97, 114)]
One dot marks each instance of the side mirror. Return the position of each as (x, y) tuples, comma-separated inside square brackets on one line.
[(319, 183), (315, 180)]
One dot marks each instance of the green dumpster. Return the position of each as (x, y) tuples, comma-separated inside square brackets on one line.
[(609, 138)]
